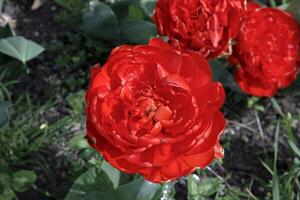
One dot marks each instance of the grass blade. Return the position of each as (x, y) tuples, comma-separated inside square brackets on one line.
[(275, 182), (266, 166), (290, 135), (276, 106)]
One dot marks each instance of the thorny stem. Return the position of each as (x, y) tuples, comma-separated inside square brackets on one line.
[(167, 191)]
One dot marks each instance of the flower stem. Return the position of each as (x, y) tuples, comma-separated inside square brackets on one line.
[(167, 190)]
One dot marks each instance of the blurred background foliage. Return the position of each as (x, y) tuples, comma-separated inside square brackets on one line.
[(46, 49)]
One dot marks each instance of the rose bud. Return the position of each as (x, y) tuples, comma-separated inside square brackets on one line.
[(267, 51), (202, 25), (154, 110)]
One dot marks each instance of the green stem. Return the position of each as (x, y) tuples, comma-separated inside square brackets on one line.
[(167, 190)]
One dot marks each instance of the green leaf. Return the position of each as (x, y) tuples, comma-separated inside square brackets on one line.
[(11, 69), (273, 3), (277, 106), (294, 89), (5, 176), (139, 189), (92, 185), (236, 193), (137, 31), (148, 6), (1, 6), (5, 31), (135, 12), (220, 73), (20, 48), (100, 45), (192, 185), (75, 100), (268, 168), (112, 172), (3, 113), (6, 193), (79, 142), (294, 8), (275, 182), (290, 135), (23, 180), (63, 3), (121, 8), (101, 23), (202, 188)]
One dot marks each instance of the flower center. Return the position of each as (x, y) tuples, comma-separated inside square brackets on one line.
[(163, 113)]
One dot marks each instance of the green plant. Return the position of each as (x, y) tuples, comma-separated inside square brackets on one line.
[(13, 182), (1, 5), (17, 138), (286, 185), (16, 50), (105, 182), (123, 21)]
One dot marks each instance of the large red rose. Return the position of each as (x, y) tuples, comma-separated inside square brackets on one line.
[(206, 26), (155, 111), (266, 51)]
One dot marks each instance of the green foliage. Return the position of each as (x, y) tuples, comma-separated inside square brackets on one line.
[(114, 174), (213, 188), (100, 23), (21, 136), (294, 89), (148, 6), (221, 73), (22, 180), (275, 187), (198, 189), (139, 189), (254, 103), (69, 4), (75, 100), (71, 13), (92, 185), (276, 106), (137, 31), (290, 136), (12, 182), (123, 22), (294, 8), (13, 50), (63, 3), (3, 112), (135, 12), (286, 185), (1, 5), (5, 31), (20, 48), (104, 183), (78, 142)]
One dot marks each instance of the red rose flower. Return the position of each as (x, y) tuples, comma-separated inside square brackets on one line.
[(154, 110), (202, 25), (266, 51)]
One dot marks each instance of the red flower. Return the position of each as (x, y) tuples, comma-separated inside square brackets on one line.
[(266, 51), (202, 25), (155, 111)]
